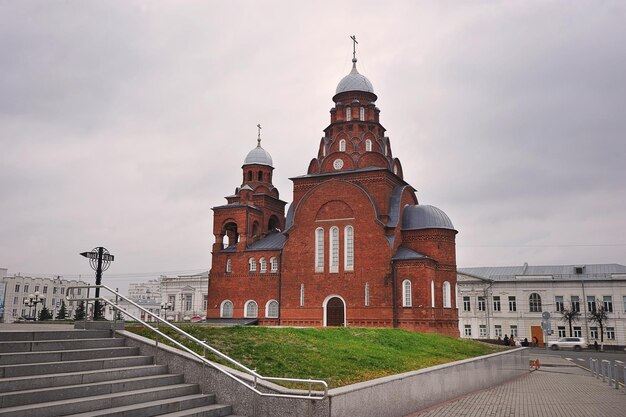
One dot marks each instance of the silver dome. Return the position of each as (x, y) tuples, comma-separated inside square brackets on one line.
[(258, 156), (425, 217), (354, 82)]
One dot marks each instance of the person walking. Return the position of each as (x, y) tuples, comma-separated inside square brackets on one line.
[(506, 340)]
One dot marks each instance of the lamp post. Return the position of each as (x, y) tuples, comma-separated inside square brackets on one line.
[(166, 306), (32, 301)]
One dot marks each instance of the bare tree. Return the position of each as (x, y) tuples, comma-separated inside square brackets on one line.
[(570, 315), (599, 316)]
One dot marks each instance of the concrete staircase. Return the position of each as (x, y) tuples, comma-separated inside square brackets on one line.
[(90, 373)]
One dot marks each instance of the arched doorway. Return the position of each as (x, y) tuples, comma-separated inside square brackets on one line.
[(335, 312)]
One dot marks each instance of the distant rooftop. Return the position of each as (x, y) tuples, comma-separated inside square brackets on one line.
[(556, 272)]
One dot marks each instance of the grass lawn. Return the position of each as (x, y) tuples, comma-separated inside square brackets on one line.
[(340, 356)]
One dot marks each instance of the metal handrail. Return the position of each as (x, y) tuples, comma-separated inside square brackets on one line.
[(312, 394)]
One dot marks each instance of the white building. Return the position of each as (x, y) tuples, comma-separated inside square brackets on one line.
[(498, 301), (14, 290), (146, 291), (187, 295)]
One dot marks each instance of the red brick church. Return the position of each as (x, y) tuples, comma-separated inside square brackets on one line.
[(355, 248)]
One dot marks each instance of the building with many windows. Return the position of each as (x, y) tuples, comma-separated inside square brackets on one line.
[(186, 295), (355, 248), (498, 301), (15, 291)]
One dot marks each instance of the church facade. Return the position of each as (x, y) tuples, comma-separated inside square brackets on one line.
[(355, 247)]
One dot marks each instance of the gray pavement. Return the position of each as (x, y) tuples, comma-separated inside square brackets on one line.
[(559, 388)]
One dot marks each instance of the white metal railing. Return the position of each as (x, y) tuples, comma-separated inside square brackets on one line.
[(602, 368), (255, 377)]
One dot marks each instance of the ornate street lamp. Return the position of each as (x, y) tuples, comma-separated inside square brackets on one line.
[(32, 301), (166, 306)]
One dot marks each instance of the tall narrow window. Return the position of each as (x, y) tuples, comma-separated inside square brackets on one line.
[(260, 175), (263, 264), (446, 295), (576, 303), (252, 309), (271, 309), (348, 114), (407, 299), (591, 303), (558, 302), (319, 250), (273, 264), (368, 145), (608, 303), (362, 113), (367, 294), (496, 303), (252, 263), (348, 242), (301, 295), (342, 145), (334, 249), (229, 266), (535, 303), (432, 294), (466, 303)]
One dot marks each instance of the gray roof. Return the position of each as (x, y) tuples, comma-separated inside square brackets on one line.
[(394, 205), (354, 82), (557, 272), (425, 217), (272, 241), (289, 218), (407, 254), (259, 156)]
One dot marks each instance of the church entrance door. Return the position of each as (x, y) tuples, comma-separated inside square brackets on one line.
[(334, 312)]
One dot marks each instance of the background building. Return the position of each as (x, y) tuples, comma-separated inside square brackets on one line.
[(494, 301), (14, 290), (187, 295)]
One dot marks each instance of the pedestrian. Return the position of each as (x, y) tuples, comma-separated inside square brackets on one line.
[(499, 340), (525, 342), (506, 340), (512, 341), (595, 345), (535, 341)]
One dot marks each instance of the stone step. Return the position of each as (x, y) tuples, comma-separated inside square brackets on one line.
[(33, 396), (65, 355), (57, 345), (105, 402), (52, 335), (197, 405), (17, 370), (72, 378)]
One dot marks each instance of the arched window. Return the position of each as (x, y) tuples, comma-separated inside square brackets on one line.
[(255, 229), (301, 295), (407, 299), (362, 113), (260, 176), (273, 264), (319, 250), (229, 266), (226, 309), (251, 309), (249, 175), (271, 309), (368, 145), (263, 264), (535, 303), (432, 294), (367, 294), (252, 263), (446, 295), (348, 114), (342, 145), (348, 243), (334, 249)]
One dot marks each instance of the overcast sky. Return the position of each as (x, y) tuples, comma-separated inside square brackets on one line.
[(123, 122)]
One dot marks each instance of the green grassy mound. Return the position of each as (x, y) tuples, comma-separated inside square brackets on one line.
[(340, 356)]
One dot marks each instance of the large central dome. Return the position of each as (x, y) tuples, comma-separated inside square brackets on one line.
[(259, 156), (354, 82)]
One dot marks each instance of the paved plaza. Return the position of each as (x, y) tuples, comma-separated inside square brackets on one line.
[(558, 389)]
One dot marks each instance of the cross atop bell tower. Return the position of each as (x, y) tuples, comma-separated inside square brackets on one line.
[(354, 43)]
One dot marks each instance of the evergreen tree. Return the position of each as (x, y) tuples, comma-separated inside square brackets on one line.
[(79, 313), (62, 313), (45, 314)]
